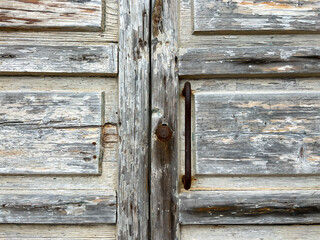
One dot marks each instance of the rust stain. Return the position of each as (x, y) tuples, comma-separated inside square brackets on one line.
[(4, 18), (30, 1), (272, 4), (157, 18), (109, 133), (89, 10)]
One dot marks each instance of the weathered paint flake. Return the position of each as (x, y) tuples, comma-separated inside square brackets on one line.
[(260, 15)]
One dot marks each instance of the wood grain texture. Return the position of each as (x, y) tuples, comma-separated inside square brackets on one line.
[(164, 78), (50, 133), (243, 86), (257, 133), (259, 38), (45, 36), (249, 61), (275, 15), (293, 232), (55, 232), (37, 59), (134, 120), (250, 207), (58, 207), (48, 14)]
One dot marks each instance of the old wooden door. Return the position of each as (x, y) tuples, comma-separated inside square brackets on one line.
[(254, 71), (58, 119)]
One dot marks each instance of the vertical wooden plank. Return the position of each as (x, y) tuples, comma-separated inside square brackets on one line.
[(134, 70), (164, 88)]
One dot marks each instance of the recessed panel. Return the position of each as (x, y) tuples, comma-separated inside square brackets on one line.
[(56, 60), (264, 133), (248, 61), (52, 14), (50, 132), (255, 16)]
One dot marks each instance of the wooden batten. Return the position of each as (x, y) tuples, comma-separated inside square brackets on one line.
[(254, 17), (51, 15)]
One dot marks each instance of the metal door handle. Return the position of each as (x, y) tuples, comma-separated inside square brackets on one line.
[(186, 179)]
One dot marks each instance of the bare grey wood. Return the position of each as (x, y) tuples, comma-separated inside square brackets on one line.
[(48, 14), (257, 133), (164, 155), (249, 61), (50, 132), (237, 232), (250, 207), (255, 16), (134, 120), (38, 59), (57, 232), (58, 207), (45, 36), (187, 38)]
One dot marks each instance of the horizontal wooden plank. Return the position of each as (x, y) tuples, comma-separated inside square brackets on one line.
[(57, 232), (52, 14), (249, 61), (50, 132), (47, 60), (249, 15), (62, 207), (250, 207), (48, 232), (257, 133), (291, 232)]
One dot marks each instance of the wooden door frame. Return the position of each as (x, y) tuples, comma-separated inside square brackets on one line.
[(148, 167), (134, 120), (164, 104)]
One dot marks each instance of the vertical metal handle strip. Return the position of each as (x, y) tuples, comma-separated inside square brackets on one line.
[(187, 94)]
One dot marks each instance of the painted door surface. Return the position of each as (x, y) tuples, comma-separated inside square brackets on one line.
[(254, 71), (92, 119), (58, 119)]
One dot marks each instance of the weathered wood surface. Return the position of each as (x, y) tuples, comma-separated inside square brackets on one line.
[(250, 207), (164, 155), (276, 182), (134, 120), (50, 133), (249, 61), (51, 14), (58, 207), (108, 178), (57, 232), (240, 39), (37, 59), (45, 36), (257, 133), (293, 232), (243, 15)]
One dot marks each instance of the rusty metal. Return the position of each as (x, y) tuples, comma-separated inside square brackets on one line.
[(164, 133), (186, 179)]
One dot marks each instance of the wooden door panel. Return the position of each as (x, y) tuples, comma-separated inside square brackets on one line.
[(250, 207), (36, 59), (58, 207), (48, 14), (57, 232), (252, 232), (248, 61), (257, 133), (255, 16), (51, 133), (59, 103)]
